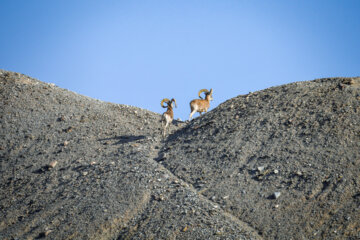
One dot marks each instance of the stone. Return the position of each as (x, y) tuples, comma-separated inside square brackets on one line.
[(52, 164), (260, 168), (276, 195)]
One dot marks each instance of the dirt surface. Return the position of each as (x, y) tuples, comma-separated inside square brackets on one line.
[(282, 163)]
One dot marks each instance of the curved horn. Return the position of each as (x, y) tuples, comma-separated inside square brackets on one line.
[(164, 100), (173, 100), (202, 90)]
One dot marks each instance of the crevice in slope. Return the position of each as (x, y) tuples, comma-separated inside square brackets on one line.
[(157, 156)]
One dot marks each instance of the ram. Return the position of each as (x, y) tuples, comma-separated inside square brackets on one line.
[(167, 116), (201, 105)]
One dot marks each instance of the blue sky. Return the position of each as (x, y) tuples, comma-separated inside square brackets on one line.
[(138, 52)]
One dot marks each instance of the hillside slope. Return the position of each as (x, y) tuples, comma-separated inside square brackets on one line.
[(282, 163), (77, 168), (286, 160)]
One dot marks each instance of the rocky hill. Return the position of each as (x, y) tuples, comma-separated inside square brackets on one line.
[(282, 163)]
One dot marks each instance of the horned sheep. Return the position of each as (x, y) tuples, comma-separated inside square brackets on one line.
[(167, 116), (201, 105)]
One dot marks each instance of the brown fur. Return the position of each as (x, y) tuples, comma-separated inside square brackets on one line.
[(168, 116), (201, 105)]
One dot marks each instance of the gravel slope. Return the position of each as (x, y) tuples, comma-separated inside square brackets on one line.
[(286, 160), (73, 167), (282, 163)]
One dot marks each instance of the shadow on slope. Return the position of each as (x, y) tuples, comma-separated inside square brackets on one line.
[(73, 167), (122, 139)]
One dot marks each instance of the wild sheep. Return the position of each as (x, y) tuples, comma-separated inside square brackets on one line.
[(201, 105), (167, 116)]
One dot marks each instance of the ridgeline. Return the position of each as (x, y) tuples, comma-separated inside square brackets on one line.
[(281, 163)]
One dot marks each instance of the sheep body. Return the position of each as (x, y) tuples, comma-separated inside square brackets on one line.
[(201, 105), (168, 116)]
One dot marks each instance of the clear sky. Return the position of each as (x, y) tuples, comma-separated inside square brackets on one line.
[(138, 52)]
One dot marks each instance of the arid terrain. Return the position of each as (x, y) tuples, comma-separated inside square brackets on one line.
[(281, 163)]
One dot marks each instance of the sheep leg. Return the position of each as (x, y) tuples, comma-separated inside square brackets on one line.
[(163, 124), (166, 125), (191, 114)]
